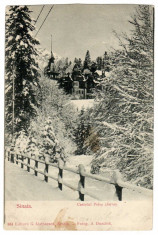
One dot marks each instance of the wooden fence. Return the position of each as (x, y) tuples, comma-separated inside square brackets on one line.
[(115, 180)]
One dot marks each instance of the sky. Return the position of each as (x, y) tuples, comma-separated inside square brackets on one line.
[(76, 28)]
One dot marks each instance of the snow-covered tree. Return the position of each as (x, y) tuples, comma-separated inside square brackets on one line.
[(56, 105), (123, 118), (21, 142), (83, 132), (50, 145), (21, 70)]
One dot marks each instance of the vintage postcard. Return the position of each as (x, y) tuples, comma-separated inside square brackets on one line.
[(79, 117)]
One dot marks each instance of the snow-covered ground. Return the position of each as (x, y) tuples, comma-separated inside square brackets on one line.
[(86, 103), (21, 185), (74, 161), (102, 190)]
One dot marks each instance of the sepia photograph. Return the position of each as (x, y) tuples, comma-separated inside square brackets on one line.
[(79, 115)]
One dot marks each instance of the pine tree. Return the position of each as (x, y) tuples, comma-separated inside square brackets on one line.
[(80, 63), (87, 61), (124, 117), (50, 145), (21, 69), (79, 133), (93, 67), (106, 62), (77, 68), (56, 105), (82, 132), (99, 62), (75, 60)]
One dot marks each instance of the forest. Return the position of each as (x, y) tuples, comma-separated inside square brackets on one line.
[(117, 130)]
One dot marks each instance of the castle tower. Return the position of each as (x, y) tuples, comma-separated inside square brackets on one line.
[(52, 69)]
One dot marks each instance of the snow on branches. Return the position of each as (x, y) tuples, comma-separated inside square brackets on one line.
[(21, 70), (124, 116)]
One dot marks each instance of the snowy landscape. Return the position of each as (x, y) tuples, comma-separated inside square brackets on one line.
[(50, 191), (95, 111)]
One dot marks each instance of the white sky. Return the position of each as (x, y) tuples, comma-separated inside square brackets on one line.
[(78, 28)]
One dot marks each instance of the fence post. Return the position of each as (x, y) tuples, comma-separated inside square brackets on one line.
[(119, 192), (81, 184), (17, 159), (28, 162), (22, 159), (12, 157), (36, 166), (46, 169), (60, 174), (116, 178), (8, 155)]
